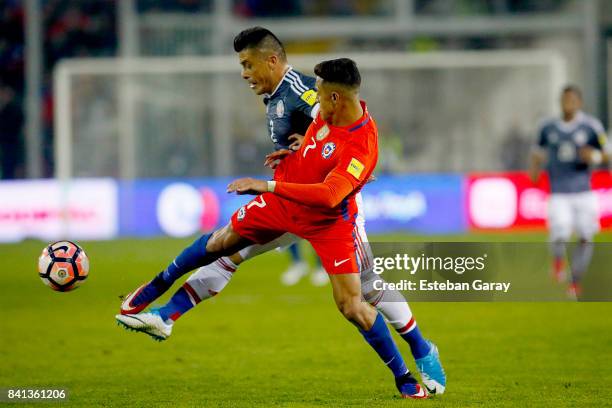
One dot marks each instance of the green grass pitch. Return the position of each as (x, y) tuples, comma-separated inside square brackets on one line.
[(259, 344)]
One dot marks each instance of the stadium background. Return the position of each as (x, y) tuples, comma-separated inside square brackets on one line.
[(150, 154)]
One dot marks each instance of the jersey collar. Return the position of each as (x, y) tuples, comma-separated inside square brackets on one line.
[(359, 123), (572, 124)]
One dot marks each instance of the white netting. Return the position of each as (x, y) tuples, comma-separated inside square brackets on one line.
[(197, 117)]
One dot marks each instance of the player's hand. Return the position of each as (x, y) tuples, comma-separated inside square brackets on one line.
[(536, 160), (274, 158), (534, 175), (585, 153), (247, 185), (297, 140), (590, 155)]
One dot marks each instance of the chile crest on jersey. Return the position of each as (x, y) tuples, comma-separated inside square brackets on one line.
[(328, 149)]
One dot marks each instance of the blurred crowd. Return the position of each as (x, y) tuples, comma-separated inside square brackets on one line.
[(11, 89), (71, 28), (293, 8), (87, 28)]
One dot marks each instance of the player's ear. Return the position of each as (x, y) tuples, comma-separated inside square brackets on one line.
[(272, 61), (334, 97)]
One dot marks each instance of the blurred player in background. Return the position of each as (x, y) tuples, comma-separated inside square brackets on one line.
[(318, 190), (570, 146)]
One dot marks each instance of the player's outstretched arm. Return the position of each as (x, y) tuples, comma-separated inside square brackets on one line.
[(247, 185), (328, 194), (536, 161)]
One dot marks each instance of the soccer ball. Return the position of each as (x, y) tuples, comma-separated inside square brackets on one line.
[(63, 266)]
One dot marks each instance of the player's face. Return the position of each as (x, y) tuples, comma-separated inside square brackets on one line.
[(257, 70), (327, 101), (570, 103)]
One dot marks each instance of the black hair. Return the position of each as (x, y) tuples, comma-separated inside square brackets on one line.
[(341, 71), (574, 89), (259, 37)]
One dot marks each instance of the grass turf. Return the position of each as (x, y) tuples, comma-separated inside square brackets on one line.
[(261, 344)]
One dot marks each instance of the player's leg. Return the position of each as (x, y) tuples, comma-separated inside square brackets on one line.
[(211, 279), (336, 250), (298, 268), (586, 218), (397, 312), (264, 212), (560, 231), (390, 303), (206, 249), (347, 295), (158, 322)]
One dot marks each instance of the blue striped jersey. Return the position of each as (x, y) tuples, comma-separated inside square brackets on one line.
[(562, 142), (291, 107)]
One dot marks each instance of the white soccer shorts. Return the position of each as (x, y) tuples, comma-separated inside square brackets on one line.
[(573, 212)]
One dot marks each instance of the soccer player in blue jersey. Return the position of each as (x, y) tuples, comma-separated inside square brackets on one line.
[(571, 145), (291, 103), (290, 100)]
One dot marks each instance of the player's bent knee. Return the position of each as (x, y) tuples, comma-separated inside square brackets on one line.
[(225, 241), (350, 308), (215, 242)]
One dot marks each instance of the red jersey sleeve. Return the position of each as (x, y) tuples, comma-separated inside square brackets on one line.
[(328, 194)]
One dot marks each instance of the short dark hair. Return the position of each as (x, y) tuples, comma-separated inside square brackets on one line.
[(572, 88), (259, 37), (341, 71)]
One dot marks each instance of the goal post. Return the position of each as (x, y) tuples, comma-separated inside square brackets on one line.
[(193, 116)]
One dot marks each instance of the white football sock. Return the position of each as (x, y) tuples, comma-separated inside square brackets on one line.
[(212, 278), (390, 303)]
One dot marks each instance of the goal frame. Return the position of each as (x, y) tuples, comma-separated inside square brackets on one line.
[(123, 67)]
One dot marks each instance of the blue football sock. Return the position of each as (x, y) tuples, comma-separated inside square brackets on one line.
[(418, 345), (178, 304), (191, 258), (380, 339), (294, 251)]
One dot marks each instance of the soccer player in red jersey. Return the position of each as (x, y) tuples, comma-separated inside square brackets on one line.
[(313, 196), (291, 101)]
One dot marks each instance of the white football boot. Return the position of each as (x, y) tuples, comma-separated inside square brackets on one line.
[(150, 323)]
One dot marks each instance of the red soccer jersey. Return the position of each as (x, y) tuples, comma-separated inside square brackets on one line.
[(332, 162), (349, 151)]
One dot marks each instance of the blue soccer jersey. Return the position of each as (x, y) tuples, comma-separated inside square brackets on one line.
[(562, 141), (291, 107)]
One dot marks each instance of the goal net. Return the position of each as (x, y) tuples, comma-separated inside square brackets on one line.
[(196, 117)]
